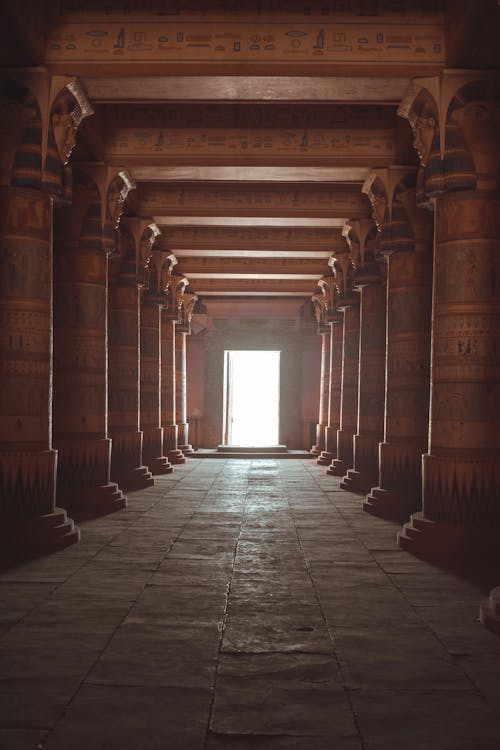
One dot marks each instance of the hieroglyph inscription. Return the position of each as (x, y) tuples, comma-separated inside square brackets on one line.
[(170, 199), (249, 239), (330, 39), (342, 142)]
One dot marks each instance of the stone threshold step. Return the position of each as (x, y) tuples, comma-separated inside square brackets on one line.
[(243, 452)]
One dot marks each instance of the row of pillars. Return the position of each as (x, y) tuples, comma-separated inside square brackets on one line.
[(410, 320), (93, 329)]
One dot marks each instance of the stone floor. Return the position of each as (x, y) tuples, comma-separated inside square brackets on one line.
[(246, 604)]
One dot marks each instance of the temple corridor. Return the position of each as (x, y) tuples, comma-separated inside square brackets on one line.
[(244, 604)]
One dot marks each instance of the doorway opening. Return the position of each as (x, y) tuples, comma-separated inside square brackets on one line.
[(251, 398)]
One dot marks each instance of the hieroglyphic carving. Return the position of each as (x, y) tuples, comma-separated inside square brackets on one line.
[(371, 144), (295, 10), (284, 200), (265, 35), (246, 238)]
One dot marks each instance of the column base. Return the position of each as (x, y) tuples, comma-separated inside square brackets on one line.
[(176, 456), (186, 449), (95, 501), (158, 465), (337, 468), (136, 478), (391, 504), (29, 536), (315, 450), (357, 481), (489, 611), (435, 540), (325, 458)]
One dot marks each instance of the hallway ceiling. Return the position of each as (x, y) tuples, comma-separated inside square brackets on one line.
[(249, 128)]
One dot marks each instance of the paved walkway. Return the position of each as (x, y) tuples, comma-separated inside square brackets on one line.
[(246, 604)]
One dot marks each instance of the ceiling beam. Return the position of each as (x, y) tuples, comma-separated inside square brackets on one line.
[(352, 89)]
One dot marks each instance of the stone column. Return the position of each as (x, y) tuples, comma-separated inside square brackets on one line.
[(127, 276), (406, 240), (183, 329), (324, 388), (31, 523), (461, 471), (159, 269), (84, 237), (361, 236), (333, 319), (348, 303), (170, 316)]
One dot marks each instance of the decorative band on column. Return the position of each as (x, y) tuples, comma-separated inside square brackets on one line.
[(461, 472), (406, 240), (27, 461)]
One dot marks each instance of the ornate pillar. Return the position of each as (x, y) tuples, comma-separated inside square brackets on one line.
[(406, 240), (84, 237), (159, 270), (126, 279), (348, 303), (461, 471), (324, 378), (183, 329), (170, 316), (333, 319), (371, 387), (40, 116)]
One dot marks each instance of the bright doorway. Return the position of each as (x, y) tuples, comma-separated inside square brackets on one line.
[(251, 398)]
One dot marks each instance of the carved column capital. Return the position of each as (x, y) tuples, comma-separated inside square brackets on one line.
[(39, 117), (186, 310), (343, 271), (455, 118), (137, 237), (402, 223), (99, 193), (174, 296), (361, 237)]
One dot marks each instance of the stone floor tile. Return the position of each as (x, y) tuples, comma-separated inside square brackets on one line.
[(431, 720), (165, 656), (21, 739), (265, 632), (130, 718), (401, 656), (284, 742), (273, 694)]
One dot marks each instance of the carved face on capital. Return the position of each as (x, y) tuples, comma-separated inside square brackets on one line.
[(117, 192), (146, 246), (64, 120), (424, 129), (379, 206)]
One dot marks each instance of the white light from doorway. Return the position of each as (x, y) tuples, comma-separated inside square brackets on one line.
[(252, 388)]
